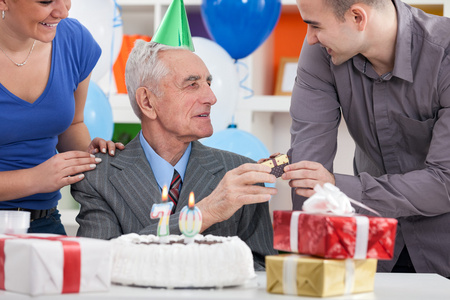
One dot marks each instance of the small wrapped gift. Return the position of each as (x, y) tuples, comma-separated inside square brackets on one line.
[(331, 235), (38, 264), (311, 276)]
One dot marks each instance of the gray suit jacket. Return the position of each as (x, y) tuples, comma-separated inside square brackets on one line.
[(116, 198)]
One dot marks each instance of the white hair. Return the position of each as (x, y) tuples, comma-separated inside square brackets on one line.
[(145, 69)]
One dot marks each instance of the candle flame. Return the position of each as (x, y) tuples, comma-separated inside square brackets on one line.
[(164, 194), (191, 200)]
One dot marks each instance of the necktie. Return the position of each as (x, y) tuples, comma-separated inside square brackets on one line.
[(174, 191)]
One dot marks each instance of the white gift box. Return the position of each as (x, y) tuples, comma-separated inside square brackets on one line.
[(38, 264)]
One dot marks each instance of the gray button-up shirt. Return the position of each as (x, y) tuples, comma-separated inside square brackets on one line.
[(401, 126)]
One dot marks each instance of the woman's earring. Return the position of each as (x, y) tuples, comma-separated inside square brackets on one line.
[(3, 14)]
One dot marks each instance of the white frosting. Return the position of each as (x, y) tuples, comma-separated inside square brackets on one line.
[(226, 263)]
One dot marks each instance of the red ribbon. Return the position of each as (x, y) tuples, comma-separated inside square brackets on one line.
[(2, 264), (71, 267)]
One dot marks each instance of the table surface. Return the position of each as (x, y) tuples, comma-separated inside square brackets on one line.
[(393, 286)]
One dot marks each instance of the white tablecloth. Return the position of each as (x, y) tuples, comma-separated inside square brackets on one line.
[(392, 286)]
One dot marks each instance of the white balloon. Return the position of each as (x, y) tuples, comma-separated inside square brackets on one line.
[(225, 84), (99, 17)]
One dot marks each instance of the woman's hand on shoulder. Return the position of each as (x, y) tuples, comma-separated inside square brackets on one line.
[(100, 145), (63, 169)]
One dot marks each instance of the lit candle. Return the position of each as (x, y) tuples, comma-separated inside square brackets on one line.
[(190, 220), (162, 211)]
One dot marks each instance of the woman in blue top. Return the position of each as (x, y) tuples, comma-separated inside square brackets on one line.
[(45, 65)]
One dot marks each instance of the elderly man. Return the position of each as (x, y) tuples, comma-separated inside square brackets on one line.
[(169, 90), (386, 67)]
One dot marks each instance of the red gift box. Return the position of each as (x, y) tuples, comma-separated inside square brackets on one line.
[(332, 236)]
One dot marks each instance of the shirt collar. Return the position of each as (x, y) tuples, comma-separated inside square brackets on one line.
[(162, 169), (403, 47)]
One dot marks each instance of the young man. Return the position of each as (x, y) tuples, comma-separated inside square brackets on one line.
[(386, 67)]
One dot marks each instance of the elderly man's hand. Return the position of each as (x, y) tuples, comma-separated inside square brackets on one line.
[(237, 188), (304, 176), (100, 145)]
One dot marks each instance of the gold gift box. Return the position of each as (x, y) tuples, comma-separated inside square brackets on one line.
[(319, 277)]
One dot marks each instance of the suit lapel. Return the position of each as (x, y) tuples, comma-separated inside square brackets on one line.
[(201, 174), (135, 181), (137, 185)]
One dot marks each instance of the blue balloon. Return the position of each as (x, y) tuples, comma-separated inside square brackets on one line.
[(240, 26), (238, 141), (98, 115)]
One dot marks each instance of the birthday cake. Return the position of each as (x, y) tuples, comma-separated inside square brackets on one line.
[(208, 261)]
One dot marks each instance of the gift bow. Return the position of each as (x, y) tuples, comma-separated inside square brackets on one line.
[(329, 199)]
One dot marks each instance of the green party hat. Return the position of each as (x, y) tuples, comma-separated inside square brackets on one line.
[(174, 28)]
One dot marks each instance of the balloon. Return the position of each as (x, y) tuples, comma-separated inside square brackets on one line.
[(98, 115), (102, 19), (240, 26), (237, 141), (225, 84)]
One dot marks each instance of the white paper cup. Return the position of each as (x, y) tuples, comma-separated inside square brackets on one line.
[(14, 222)]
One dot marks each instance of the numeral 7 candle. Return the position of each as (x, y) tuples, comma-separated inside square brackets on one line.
[(162, 211)]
